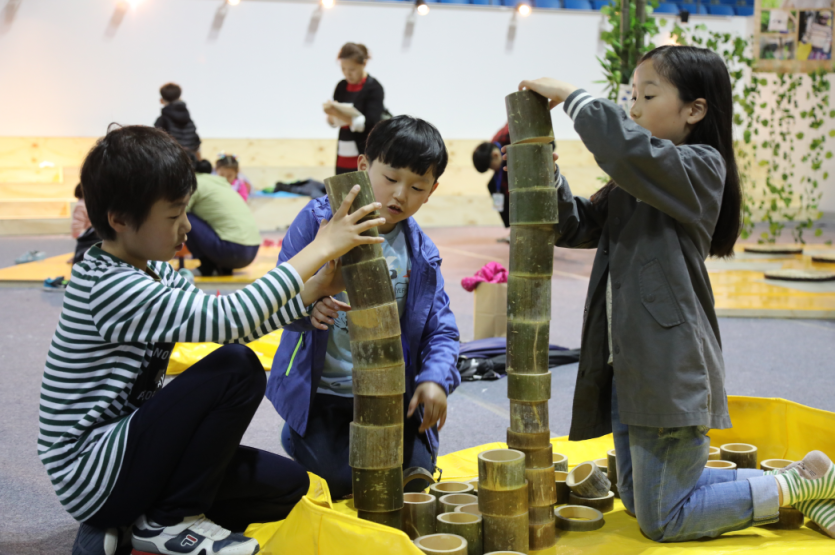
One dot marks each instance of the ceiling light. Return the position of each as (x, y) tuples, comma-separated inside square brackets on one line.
[(422, 7), (524, 9), (233, 2), (327, 4)]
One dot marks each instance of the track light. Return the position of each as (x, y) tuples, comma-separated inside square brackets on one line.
[(684, 15), (422, 7), (524, 9), (327, 4), (134, 3), (233, 2)]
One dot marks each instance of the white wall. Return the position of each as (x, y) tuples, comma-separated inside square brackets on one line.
[(60, 75)]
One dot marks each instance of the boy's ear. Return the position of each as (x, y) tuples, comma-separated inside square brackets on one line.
[(362, 163), (117, 222), (435, 186)]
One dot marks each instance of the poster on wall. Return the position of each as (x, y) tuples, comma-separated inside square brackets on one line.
[(793, 35)]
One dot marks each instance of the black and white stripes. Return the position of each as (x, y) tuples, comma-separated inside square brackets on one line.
[(575, 102)]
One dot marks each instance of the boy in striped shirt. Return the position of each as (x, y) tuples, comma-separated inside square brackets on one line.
[(118, 449)]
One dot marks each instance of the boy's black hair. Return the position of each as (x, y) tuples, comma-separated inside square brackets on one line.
[(203, 166), (129, 170), (170, 92), (407, 142), (482, 156), (79, 192)]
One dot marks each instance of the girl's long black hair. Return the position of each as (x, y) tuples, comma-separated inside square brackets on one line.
[(701, 73)]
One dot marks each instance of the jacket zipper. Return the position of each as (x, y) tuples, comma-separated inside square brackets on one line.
[(295, 351)]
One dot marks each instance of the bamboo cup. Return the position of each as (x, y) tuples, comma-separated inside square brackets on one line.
[(587, 480), (418, 514), (714, 454), (743, 454), (775, 464), (442, 544), (560, 462), (472, 508), (448, 503), (466, 525), (721, 465)]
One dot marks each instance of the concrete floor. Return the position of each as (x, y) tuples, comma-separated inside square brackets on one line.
[(768, 358)]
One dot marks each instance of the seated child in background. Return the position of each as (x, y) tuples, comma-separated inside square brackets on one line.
[(224, 235), (176, 120), (81, 229), (488, 156), (311, 386), (227, 167), (119, 449)]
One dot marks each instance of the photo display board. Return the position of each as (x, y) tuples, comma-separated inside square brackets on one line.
[(793, 36)]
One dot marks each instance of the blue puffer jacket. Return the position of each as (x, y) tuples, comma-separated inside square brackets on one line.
[(428, 330)]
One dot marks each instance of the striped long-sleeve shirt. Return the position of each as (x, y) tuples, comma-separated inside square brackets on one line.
[(110, 350)]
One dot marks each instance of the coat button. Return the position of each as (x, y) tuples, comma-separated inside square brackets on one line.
[(650, 298), (617, 286), (617, 349), (605, 251)]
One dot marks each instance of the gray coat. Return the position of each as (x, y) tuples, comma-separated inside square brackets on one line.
[(653, 240)]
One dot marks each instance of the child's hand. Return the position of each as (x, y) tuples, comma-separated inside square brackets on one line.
[(433, 398), (325, 312), (344, 231), (327, 282), (556, 91)]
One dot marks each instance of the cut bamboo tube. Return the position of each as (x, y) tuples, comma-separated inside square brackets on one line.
[(501, 469), (516, 440), (529, 387), (576, 518), (528, 256), (542, 489), (503, 502), (742, 454), (562, 488), (604, 504), (379, 491), (790, 519), (529, 418), (714, 454), (527, 346), (418, 514), (378, 410), (466, 525), (506, 532), (528, 117), (449, 502), (541, 526), (446, 544), (538, 458), (603, 465), (612, 470), (445, 488), (474, 483), (393, 519), (529, 299), (376, 435), (533, 166), (560, 462), (775, 464), (586, 480), (472, 508), (721, 465), (533, 207)]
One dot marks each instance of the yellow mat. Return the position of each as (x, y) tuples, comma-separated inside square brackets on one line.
[(779, 428), (60, 266), (186, 354)]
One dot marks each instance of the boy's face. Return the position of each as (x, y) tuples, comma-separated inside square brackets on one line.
[(496, 160), (228, 173), (159, 236), (400, 190)]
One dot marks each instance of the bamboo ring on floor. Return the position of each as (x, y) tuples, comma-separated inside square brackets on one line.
[(604, 504), (774, 249), (744, 455), (568, 518), (721, 465), (587, 480), (714, 454), (442, 543), (826, 257), (560, 462), (775, 464), (796, 274)]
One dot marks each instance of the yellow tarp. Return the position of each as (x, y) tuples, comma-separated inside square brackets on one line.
[(186, 354), (779, 428)]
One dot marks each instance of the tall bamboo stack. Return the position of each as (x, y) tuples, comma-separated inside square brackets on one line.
[(379, 373), (533, 214), (503, 500)]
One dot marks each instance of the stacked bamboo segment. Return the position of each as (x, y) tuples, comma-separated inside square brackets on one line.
[(503, 500), (533, 215), (379, 373)]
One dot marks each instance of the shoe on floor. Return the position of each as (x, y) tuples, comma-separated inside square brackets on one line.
[(194, 535), (58, 284), (98, 541), (30, 256)]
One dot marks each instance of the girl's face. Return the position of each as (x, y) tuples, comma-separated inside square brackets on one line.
[(657, 107), (352, 71), (229, 173)]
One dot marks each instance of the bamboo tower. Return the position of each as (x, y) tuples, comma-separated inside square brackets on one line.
[(379, 373), (503, 500), (533, 214)]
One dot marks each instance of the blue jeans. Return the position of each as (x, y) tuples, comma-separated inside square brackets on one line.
[(663, 481), (323, 450), (213, 252)]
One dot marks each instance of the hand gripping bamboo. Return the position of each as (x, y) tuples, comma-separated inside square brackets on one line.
[(376, 434), (533, 215)]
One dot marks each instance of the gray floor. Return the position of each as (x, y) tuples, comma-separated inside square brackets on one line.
[(768, 358)]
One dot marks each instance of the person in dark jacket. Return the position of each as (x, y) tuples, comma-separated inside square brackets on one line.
[(357, 106), (175, 119), (488, 156), (651, 367)]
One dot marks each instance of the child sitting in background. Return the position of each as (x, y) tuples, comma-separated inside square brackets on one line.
[(227, 166), (80, 220), (176, 120)]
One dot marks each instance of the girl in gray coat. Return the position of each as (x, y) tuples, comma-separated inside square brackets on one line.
[(651, 369)]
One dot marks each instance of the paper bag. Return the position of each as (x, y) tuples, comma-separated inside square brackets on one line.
[(490, 314)]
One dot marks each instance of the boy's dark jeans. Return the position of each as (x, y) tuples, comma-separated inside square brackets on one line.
[(213, 252), (184, 457), (324, 448)]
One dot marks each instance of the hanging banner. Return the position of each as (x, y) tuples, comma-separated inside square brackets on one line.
[(793, 36)]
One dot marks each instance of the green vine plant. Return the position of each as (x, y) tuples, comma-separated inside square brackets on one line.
[(622, 56), (780, 166)]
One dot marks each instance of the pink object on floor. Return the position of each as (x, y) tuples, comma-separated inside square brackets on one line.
[(492, 272)]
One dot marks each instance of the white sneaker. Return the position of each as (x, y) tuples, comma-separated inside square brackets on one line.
[(194, 535)]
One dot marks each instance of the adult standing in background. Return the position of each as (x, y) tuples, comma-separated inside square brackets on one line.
[(357, 106), (488, 156)]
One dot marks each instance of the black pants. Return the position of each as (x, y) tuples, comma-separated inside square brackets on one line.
[(184, 457), (214, 253), (324, 448), (505, 213)]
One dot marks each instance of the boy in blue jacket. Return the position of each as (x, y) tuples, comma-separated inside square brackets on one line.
[(310, 385)]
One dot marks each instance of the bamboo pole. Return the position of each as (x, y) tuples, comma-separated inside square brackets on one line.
[(533, 215), (376, 434), (503, 500)]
